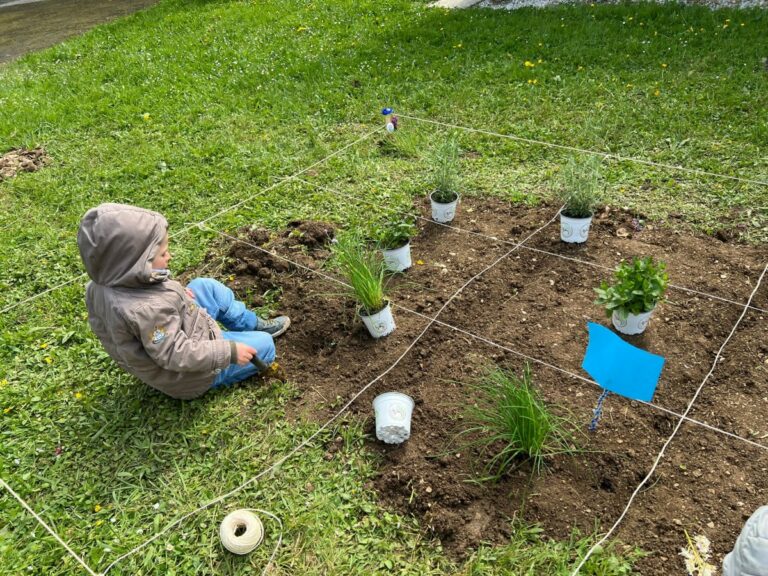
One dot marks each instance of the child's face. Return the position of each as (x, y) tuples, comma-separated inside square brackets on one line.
[(163, 256)]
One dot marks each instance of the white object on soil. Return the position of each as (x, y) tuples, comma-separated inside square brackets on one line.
[(443, 213), (393, 417), (398, 259), (381, 323), (574, 230), (633, 324)]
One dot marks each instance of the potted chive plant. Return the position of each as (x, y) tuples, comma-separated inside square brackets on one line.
[(579, 192), (638, 287), (365, 272), (394, 239), (445, 181)]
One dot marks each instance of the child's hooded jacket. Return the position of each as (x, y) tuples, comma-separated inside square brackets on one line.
[(145, 322)]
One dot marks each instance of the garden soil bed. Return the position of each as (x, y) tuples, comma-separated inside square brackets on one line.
[(538, 304)]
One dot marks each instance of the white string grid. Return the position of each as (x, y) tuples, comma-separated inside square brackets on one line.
[(189, 227), (434, 319), (524, 247), (681, 417), (343, 409)]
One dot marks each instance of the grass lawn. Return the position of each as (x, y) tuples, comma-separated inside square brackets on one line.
[(191, 107)]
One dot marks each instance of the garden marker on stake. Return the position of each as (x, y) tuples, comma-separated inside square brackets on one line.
[(391, 122), (620, 367)]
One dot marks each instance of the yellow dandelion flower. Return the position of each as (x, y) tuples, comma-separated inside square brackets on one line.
[(457, 45), (301, 29), (48, 360), (78, 395), (231, 277), (44, 345), (145, 116), (657, 93), (420, 262), (99, 522), (663, 65), (528, 64), (97, 508), (540, 61), (3, 382), (6, 410)]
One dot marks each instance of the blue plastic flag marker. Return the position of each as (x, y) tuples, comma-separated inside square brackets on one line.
[(620, 367), (387, 111)]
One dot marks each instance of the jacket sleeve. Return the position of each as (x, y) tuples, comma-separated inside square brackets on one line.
[(158, 326)]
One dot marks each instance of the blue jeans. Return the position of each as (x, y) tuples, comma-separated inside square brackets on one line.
[(219, 301)]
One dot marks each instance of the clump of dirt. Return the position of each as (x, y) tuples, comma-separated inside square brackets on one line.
[(536, 301), (22, 160), (264, 257)]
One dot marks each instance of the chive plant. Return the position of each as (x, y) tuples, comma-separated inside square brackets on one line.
[(365, 272), (511, 422)]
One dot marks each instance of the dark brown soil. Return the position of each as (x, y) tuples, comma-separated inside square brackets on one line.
[(21, 160), (539, 305)]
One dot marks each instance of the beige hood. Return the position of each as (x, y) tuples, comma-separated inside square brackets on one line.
[(118, 243)]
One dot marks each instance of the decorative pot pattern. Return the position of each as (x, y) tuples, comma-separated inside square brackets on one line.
[(574, 230), (633, 323)]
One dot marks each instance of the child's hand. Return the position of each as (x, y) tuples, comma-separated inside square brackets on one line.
[(189, 293), (244, 353)]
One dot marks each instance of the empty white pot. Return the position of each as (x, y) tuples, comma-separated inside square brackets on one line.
[(398, 259), (381, 323), (574, 230), (393, 417), (633, 323), (443, 212)]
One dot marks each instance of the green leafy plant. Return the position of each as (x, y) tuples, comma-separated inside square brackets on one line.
[(579, 189), (638, 286), (365, 271), (395, 233), (510, 420), (445, 174)]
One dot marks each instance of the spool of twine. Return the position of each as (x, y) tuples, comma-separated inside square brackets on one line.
[(241, 532)]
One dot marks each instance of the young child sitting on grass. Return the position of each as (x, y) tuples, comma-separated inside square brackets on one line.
[(154, 328)]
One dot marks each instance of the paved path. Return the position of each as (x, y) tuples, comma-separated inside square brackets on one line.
[(30, 25)]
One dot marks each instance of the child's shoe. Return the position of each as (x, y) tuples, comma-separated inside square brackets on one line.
[(273, 326)]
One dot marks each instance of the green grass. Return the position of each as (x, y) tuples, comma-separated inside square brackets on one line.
[(511, 424), (190, 107)]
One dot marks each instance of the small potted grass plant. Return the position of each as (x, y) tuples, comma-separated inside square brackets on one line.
[(579, 192), (445, 181), (365, 272), (511, 423), (394, 239), (638, 287)]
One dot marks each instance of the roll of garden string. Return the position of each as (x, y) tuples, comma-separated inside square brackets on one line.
[(241, 532)]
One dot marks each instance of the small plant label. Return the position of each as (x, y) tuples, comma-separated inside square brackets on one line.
[(620, 367)]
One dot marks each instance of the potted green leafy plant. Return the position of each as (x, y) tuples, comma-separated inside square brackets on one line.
[(579, 192), (394, 239), (365, 272), (638, 286), (445, 181)]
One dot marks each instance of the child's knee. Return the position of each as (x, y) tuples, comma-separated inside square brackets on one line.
[(267, 351)]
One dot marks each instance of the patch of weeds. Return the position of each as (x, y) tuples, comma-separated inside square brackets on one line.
[(530, 553)]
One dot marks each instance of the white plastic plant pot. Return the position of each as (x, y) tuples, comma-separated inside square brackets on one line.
[(398, 259), (393, 417), (574, 230), (632, 324), (443, 213), (381, 323)]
